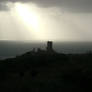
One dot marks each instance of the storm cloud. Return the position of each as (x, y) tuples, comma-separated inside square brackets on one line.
[(67, 5)]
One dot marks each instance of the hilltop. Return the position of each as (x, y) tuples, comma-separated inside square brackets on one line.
[(46, 70)]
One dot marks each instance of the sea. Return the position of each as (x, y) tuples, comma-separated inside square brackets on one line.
[(9, 49)]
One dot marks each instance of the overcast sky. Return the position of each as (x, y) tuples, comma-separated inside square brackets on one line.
[(59, 20)]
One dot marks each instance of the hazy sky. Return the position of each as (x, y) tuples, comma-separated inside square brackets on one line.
[(42, 20)]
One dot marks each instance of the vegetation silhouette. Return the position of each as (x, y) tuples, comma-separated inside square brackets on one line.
[(47, 71)]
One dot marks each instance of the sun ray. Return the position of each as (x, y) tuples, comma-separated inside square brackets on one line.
[(29, 17)]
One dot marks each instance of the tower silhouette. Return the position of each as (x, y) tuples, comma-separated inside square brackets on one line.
[(49, 46)]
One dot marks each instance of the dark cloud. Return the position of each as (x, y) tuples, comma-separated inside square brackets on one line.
[(68, 5)]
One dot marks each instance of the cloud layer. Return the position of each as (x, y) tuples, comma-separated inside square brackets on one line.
[(4, 7), (68, 5)]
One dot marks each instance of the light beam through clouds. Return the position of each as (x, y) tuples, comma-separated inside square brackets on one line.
[(29, 21), (29, 17)]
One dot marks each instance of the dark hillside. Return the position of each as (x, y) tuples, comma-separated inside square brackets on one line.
[(46, 72)]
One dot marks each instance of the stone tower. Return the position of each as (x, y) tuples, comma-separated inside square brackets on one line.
[(49, 46)]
